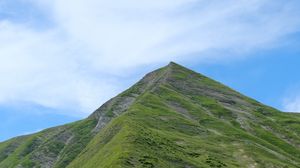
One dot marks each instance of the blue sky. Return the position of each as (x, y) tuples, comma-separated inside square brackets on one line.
[(60, 60)]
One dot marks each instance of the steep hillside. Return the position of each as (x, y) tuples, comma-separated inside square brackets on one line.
[(173, 117)]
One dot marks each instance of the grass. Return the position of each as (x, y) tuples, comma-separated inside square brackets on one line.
[(139, 138)]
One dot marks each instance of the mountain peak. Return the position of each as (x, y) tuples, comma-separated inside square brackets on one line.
[(172, 63), (177, 79), (173, 117)]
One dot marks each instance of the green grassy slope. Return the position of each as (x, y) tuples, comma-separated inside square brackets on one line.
[(173, 117), (55, 147)]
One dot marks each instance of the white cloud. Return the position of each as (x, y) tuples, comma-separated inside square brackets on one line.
[(292, 104), (78, 62), (291, 100), (129, 33), (39, 68), (30, 132)]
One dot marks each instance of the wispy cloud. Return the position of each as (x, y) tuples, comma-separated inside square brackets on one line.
[(291, 101), (292, 104), (40, 67), (77, 62), (31, 132)]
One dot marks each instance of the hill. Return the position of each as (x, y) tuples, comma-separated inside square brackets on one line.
[(173, 117)]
